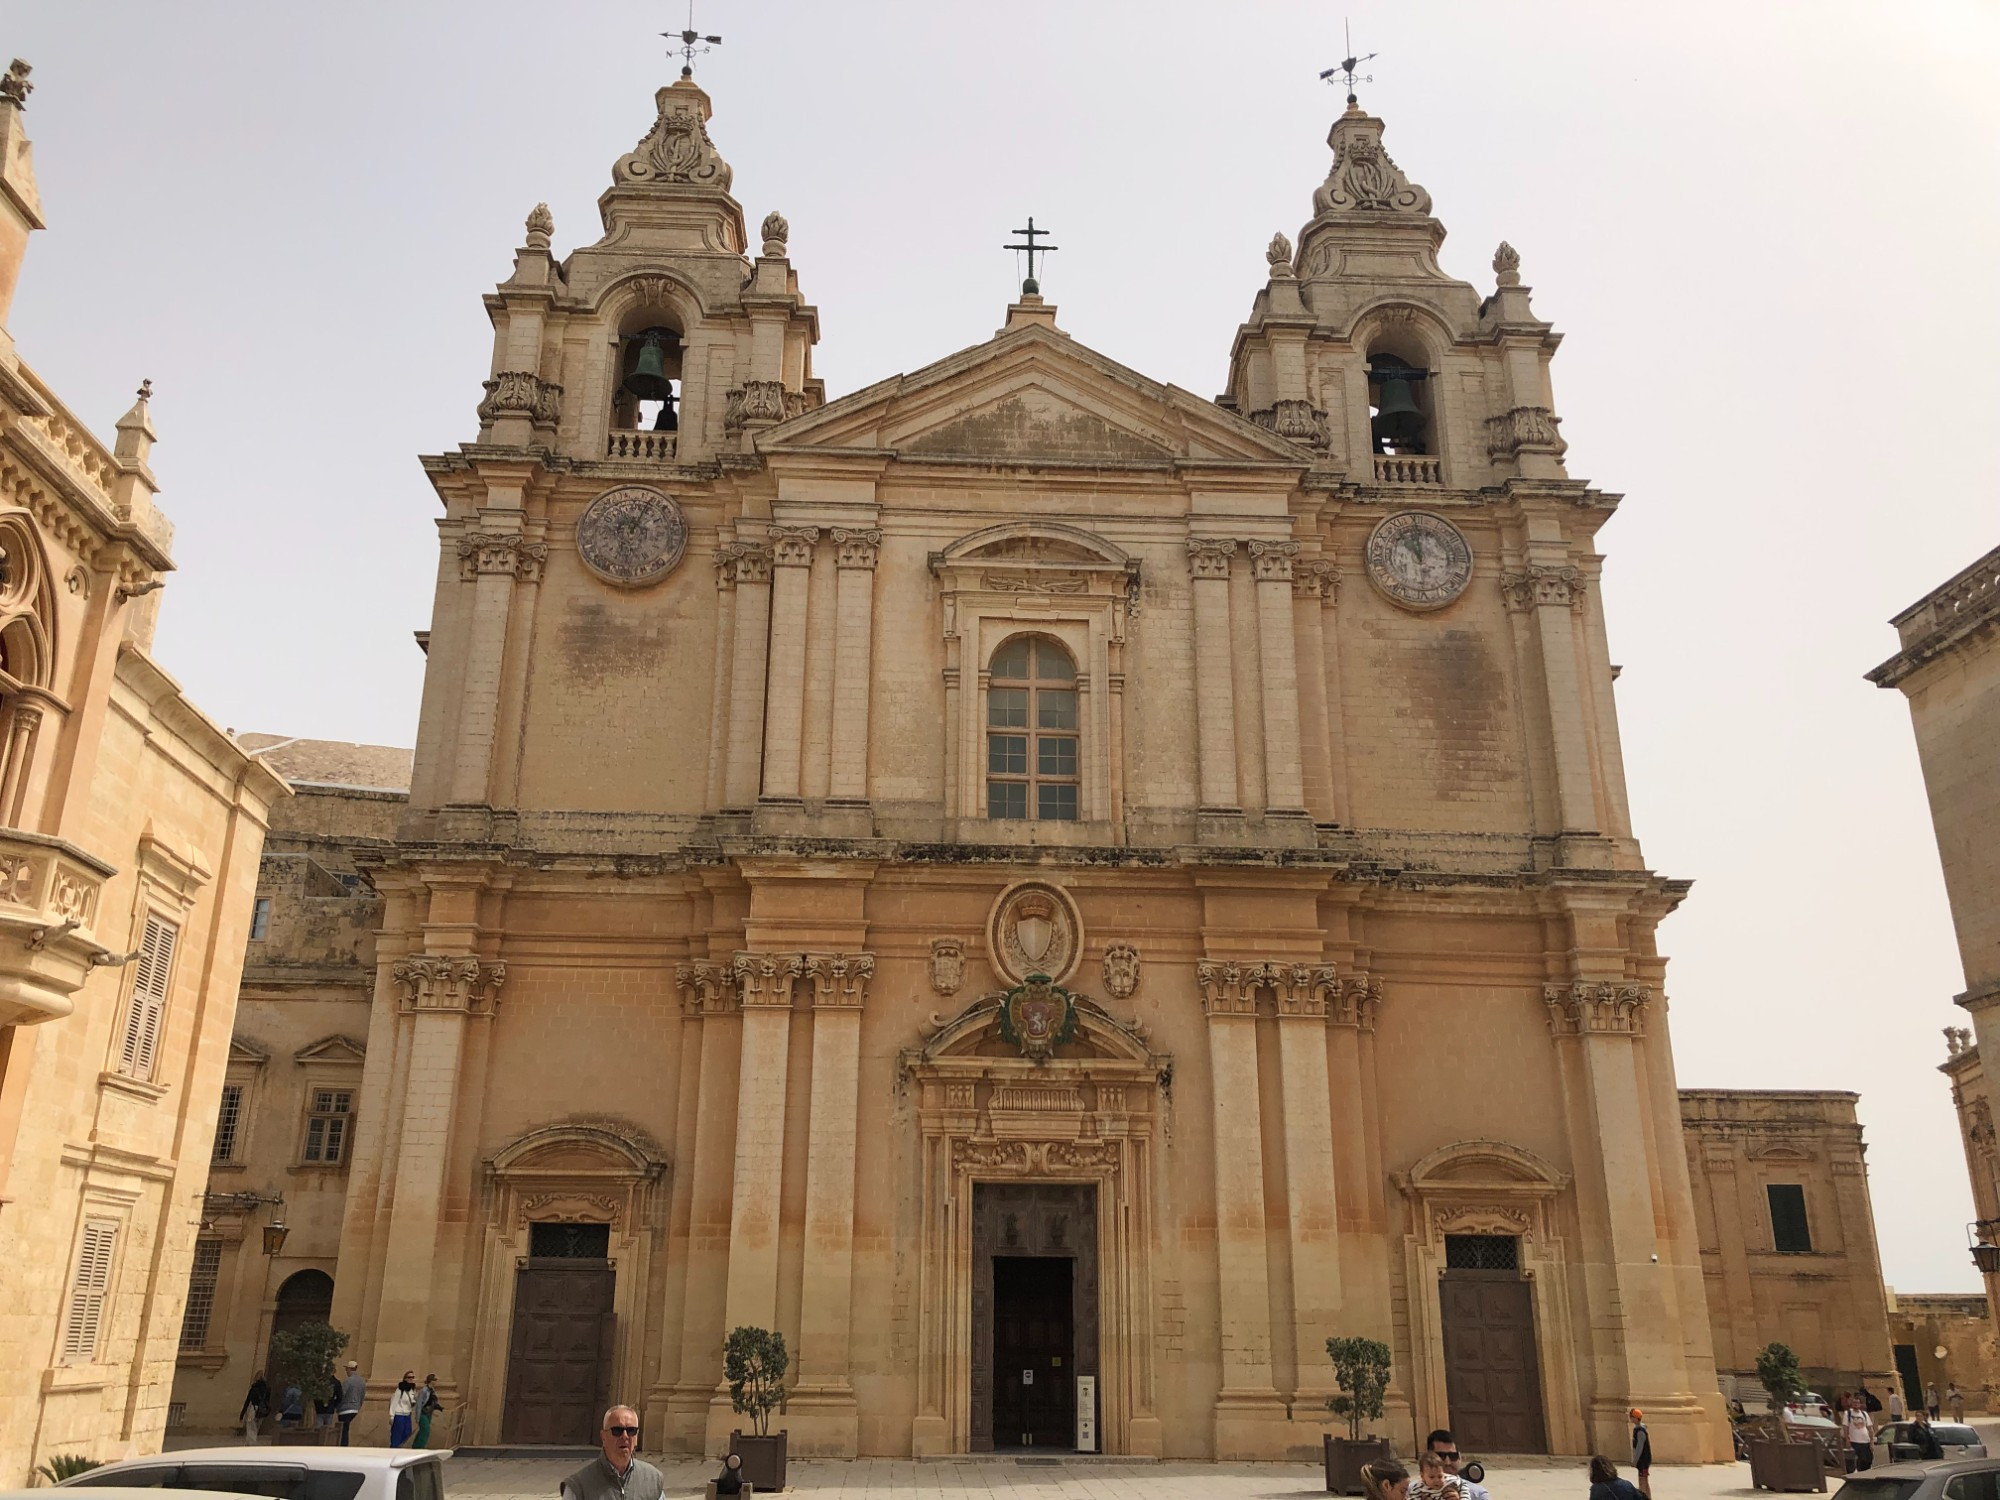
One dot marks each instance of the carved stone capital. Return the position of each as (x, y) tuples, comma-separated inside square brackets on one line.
[(792, 546), (481, 552), (856, 549), (1208, 556), (754, 403), (1584, 1008), (1536, 587), (840, 980), (1299, 421), (1525, 429), (707, 987), (1305, 989), (524, 393), (765, 979), (1316, 578), (1357, 1002), (1271, 562), (1229, 987), (448, 983), (749, 562)]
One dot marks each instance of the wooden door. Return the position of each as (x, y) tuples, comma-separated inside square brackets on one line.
[(1031, 1221), (559, 1355), (1491, 1376), (1034, 1362)]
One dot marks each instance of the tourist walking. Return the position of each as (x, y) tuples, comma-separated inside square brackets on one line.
[(256, 1404), (1605, 1483), (1642, 1452), (1859, 1430), (428, 1403), (403, 1409), (1385, 1479), (1445, 1446), (353, 1391), (617, 1473), (1896, 1401), (1954, 1402), (1930, 1399)]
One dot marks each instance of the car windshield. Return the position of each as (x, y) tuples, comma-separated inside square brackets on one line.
[(1877, 1489), (1949, 1433)]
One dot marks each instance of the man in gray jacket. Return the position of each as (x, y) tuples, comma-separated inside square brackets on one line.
[(353, 1391), (618, 1473)]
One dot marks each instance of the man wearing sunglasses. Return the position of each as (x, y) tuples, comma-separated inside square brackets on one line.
[(618, 1473), (1445, 1446)]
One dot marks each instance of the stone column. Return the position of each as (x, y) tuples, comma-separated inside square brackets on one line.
[(840, 987), (1247, 1405), (1310, 581), (20, 751), (854, 625), (1313, 1224), (746, 678), (1277, 665), (1554, 595), (792, 549), (709, 1163), (492, 561), (1214, 685)]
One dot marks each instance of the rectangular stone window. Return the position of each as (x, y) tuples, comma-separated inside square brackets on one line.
[(1790, 1234), (260, 919), (228, 1121), (146, 1008), (202, 1277), (328, 1126), (1032, 762), (89, 1283)]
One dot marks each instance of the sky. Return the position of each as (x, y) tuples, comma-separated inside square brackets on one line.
[(1768, 232)]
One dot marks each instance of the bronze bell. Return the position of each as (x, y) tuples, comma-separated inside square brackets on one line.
[(1398, 418), (648, 380)]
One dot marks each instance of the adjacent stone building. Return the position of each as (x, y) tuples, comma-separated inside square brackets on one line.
[(130, 827), (969, 874), (286, 1124)]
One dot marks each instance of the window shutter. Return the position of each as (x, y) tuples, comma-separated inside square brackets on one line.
[(202, 1278), (144, 1020), (87, 1289)]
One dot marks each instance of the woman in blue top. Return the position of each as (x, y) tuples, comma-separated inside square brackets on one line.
[(1605, 1483)]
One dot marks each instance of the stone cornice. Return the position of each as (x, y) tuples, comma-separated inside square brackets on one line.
[(1963, 609)]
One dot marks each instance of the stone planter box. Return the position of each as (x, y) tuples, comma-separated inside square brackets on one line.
[(1345, 1456), (763, 1459), (1786, 1466)]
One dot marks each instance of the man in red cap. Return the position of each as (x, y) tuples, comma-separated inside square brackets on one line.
[(1642, 1452)]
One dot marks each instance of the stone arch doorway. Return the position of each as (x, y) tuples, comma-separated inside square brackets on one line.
[(304, 1297), (1069, 1138)]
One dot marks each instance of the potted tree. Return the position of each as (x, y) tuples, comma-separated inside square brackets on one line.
[(1361, 1370), (1779, 1460), (304, 1356), (754, 1362)]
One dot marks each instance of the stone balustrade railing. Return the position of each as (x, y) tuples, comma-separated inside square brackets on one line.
[(49, 895), (1408, 468), (646, 447)]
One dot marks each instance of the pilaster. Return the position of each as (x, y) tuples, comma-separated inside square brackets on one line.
[(1553, 595), (750, 645), (1304, 991), (792, 552), (855, 555), (1271, 564), (492, 561), (1214, 680)]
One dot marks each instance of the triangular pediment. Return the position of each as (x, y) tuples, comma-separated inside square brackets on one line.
[(1031, 395), (248, 1053), (332, 1049)]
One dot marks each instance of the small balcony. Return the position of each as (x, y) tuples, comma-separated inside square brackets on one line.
[(49, 895), (635, 446), (1408, 468)]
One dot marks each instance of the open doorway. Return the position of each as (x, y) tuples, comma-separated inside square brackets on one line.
[(1034, 1352)]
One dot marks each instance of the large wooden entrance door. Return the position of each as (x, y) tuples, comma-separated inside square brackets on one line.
[(1034, 1311), (1491, 1377), (559, 1357), (1034, 1359)]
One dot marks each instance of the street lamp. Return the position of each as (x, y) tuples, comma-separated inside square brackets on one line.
[(1985, 1252), (275, 1232)]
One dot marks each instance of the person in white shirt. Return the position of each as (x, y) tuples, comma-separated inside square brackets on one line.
[(1859, 1430), (1445, 1446)]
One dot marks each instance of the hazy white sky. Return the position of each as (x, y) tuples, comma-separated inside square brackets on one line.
[(1770, 233)]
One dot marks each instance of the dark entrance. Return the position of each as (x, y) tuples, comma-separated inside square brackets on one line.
[(1492, 1379), (1034, 1311), (559, 1354), (306, 1297), (1907, 1373)]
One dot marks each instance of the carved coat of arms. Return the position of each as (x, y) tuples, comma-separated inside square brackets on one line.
[(1034, 930), (1121, 970), (1038, 1016), (947, 965)]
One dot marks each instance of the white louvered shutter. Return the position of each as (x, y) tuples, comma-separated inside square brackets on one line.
[(88, 1288), (147, 1015)]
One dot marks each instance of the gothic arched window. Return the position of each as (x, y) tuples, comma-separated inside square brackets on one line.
[(1032, 744)]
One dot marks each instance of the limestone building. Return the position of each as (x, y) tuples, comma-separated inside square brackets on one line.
[(1949, 669), (286, 1121), (969, 874), (129, 834)]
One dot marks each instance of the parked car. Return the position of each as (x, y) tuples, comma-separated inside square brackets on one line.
[(1951, 1479), (1955, 1438), (288, 1473), (130, 1490), (1809, 1404)]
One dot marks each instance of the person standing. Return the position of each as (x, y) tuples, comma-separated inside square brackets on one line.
[(1605, 1483), (1445, 1446), (1859, 1430), (256, 1402), (353, 1391), (1954, 1402), (1925, 1437), (428, 1402), (1385, 1479), (403, 1409), (1930, 1399), (1896, 1401), (1642, 1452), (617, 1473)]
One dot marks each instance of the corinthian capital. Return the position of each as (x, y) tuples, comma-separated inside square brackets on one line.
[(792, 546), (1534, 587), (448, 983), (840, 980), (481, 552), (1271, 562), (856, 549), (1584, 1008), (706, 986), (765, 979), (1208, 556)]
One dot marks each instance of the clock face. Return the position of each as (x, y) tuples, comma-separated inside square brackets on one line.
[(1420, 560), (632, 535)]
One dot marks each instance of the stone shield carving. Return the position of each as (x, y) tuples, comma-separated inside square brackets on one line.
[(947, 965), (632, 536), (1035, 928), (1038, 1017), (1121, 970)]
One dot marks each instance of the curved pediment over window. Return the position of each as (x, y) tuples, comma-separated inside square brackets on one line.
[(1037, 542), (976, 1032), (1493, 1162)]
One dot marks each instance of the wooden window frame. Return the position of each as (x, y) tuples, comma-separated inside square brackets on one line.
[(91, 1275), (234, 1121), (314, 1115), (147, 998), (1034, 735)]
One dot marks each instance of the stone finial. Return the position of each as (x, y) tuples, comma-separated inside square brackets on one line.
[(146, 389), (1507, 264), (1364, 179), (676, 149), (1279, 254), (541, 225), (135, 429), (14, 87), (776, 230)]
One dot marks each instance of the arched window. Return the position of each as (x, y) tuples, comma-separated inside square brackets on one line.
[(1031, 733), (649, 376), (306, 1297), (1399, 405)]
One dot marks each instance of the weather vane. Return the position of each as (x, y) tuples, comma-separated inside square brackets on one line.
[(692, 43), (1349, 65), (1031, 287)]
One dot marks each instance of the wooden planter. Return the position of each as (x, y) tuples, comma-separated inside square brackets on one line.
[(1786, 1466), (763, 1459), (1345, 1456)]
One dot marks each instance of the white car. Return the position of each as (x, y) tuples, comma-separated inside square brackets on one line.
[(127, 1491), (304, 1472)]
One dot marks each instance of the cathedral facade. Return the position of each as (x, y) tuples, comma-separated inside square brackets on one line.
[(1056, 894)]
